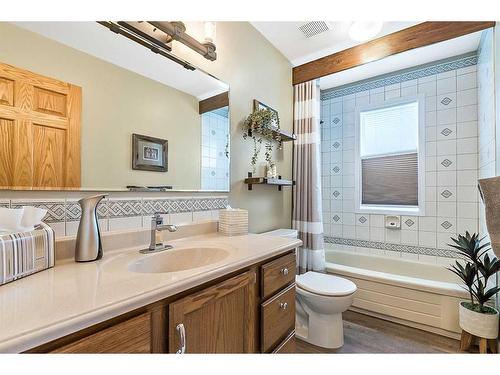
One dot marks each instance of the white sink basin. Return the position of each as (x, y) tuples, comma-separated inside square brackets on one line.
[(179, 259)]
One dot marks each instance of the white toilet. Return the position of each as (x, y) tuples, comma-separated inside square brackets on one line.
[(320, 301)]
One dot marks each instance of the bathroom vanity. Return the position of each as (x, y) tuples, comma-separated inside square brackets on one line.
[(250, 311), (243, 303)]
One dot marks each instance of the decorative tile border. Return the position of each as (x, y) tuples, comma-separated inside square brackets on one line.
[(405, 75), (393, 247), (70, 210)]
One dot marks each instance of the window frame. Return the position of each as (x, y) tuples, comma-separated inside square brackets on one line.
[(391, 209)]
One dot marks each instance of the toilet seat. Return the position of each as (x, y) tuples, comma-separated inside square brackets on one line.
[(325, 285)]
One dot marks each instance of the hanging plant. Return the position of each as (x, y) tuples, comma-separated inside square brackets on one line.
[(262, 125)]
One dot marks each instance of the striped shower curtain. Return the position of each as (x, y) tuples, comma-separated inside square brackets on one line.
[(307, 212)]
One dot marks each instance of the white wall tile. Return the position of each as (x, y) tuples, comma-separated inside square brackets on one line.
[(467, 146), (349, 231), (409, 237), (427, 239), (447, 85), (427, 224), (467, 129), (124, 223), (181, 218), (377, 234), (447, 209), (377, 221), (393, 235), (466, 81), (446, 116), (467, 113), (467, 178), (466, 97)]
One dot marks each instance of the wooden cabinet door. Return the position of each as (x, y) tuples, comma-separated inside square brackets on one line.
[(39, 131), (219, 319)]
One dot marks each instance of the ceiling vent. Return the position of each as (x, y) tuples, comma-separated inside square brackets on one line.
[(313, 28)]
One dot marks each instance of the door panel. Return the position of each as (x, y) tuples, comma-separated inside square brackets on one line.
[(50, 102), (6, 91), (48, 154), (219, 319), (45, 139)]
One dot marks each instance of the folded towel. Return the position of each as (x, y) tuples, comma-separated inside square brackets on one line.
[(22, 219), (490, 194)]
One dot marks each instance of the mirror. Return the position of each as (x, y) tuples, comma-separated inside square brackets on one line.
[(102, 112)]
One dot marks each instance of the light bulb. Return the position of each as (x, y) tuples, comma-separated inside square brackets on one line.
[(210, 31), (361, 31)]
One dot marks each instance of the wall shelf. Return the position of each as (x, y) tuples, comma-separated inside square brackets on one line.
[(285, 136), (279, 182)]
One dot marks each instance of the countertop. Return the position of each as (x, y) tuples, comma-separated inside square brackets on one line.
[(72, 296)]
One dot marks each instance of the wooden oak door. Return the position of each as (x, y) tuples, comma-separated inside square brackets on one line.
[(39, 131), (219, 319)]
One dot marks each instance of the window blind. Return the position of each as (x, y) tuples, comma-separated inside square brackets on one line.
[(390, 180), (389, 130)]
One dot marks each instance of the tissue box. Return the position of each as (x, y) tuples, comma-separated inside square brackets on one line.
[(24, 253), (233, 222)]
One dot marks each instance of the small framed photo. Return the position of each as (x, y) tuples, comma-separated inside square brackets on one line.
[(259, 105), (149, 153)]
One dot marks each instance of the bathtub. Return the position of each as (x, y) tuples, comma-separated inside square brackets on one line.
[(417, 294)]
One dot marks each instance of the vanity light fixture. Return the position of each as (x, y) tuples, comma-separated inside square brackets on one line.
[(159, 35), (361, 31)]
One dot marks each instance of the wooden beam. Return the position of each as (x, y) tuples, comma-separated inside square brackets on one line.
[(420, 35), (214, 102)]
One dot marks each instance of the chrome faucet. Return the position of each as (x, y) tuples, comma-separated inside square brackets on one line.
[(158, 226)]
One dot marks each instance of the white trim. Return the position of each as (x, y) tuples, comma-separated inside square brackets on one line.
[(390, 210)]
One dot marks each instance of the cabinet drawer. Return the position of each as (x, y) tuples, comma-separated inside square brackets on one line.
[(287, 346), (277, 274), (277, 318), (130, 336)]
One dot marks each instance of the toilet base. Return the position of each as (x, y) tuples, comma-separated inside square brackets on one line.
[(326, 331)]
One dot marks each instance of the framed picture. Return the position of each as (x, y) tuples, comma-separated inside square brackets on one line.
[(259, 105), (149, 153)]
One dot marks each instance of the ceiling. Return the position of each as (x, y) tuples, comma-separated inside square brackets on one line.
[(418, 56), (98, 41), (292, 43)]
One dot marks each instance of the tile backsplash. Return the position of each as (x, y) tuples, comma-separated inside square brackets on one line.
[(451, 121), (116, 213)]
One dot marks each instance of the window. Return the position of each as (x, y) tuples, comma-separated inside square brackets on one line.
[(390, 158)]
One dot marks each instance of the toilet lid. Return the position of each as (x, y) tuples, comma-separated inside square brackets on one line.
[(324, 284)]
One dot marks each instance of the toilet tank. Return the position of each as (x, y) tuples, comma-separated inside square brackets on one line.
[(289, 233)]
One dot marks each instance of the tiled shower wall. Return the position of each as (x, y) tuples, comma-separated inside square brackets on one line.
[(451, 136), (125, 213), (215, 150)]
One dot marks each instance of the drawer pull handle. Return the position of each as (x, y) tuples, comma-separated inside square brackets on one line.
[(284, 271), (182, 338), (283, 305)]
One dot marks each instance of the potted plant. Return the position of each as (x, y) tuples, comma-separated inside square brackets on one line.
[(475, 316), (262, 125)]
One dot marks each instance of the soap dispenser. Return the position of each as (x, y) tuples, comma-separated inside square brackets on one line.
[(88, 239)]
